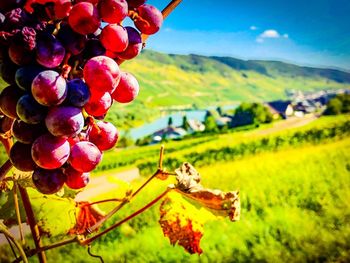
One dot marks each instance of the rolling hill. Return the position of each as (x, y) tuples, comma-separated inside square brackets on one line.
[(168, 80)]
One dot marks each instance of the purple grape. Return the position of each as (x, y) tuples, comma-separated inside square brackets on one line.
[(8, 70), (25, 76), (30, 111), (9, 98), (93, 48), (78, 93), (50, 152), (135, 44), (49, 52), (48, 181), (21, 158), (64, 121), (49, 88), (71, 40), (27, 133)]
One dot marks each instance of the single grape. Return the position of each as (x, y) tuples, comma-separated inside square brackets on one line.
[(27, 133), (50, 152), (84, 18), (114, 38), (8, 100), (25, 76), (48, 181), (8, 70), (49, 51), (113, 11), (104, 135), (134, 46), (29, 111), (85, 156), (135, 3), (98, 104), (78, 93), (75, 179), (127, 90), (21, 158), (93, 48), (72, 41), (64, 121), (20, 55), (101, 74), (5, 124), (49, 88), (60, 9), (150, 19)]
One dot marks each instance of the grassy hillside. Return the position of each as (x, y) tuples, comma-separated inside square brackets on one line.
[(294, 207), (197, 81)]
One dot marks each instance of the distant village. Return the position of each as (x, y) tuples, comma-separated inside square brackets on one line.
[(298, 105)]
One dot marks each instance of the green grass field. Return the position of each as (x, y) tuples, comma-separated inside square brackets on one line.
[(294, 200)]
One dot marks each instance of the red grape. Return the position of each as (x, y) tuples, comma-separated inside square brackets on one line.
[(104, 135), (8, 100), (101, 74), (113, 11), (50, 152), (48, 181), (5, 124), (49, 88), (85, 156), (114, 38), (84, 18), (98, 104), (127, 90), (76, 179), (134, 46), (21, 158), (64, 121), (150, 19), (19, 54), (135, 3)]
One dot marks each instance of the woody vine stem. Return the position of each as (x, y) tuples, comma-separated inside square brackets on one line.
[(7, 141)]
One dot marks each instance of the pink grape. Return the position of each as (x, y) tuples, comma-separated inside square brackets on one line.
[(49, 88), (150, 19), (75, 179), (85, 156), (127, 90), (114, 38), (64, 121), (98, 104), (50, 152), (113, 11), (104, 135), (84, 18), (101, 74), (135, 44)]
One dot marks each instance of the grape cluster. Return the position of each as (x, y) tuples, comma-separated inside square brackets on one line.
[(61, 61)]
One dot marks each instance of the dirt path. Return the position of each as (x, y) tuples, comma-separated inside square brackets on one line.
[(292, 122), (99, 185)]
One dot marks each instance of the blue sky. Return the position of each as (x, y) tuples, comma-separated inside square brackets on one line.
[(307, 32)]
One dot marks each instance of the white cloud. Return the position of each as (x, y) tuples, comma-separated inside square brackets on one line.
[(270, 33), (253, 28)]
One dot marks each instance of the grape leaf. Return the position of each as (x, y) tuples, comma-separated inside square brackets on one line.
[(87, 216), (218, 202), (182, 223)]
